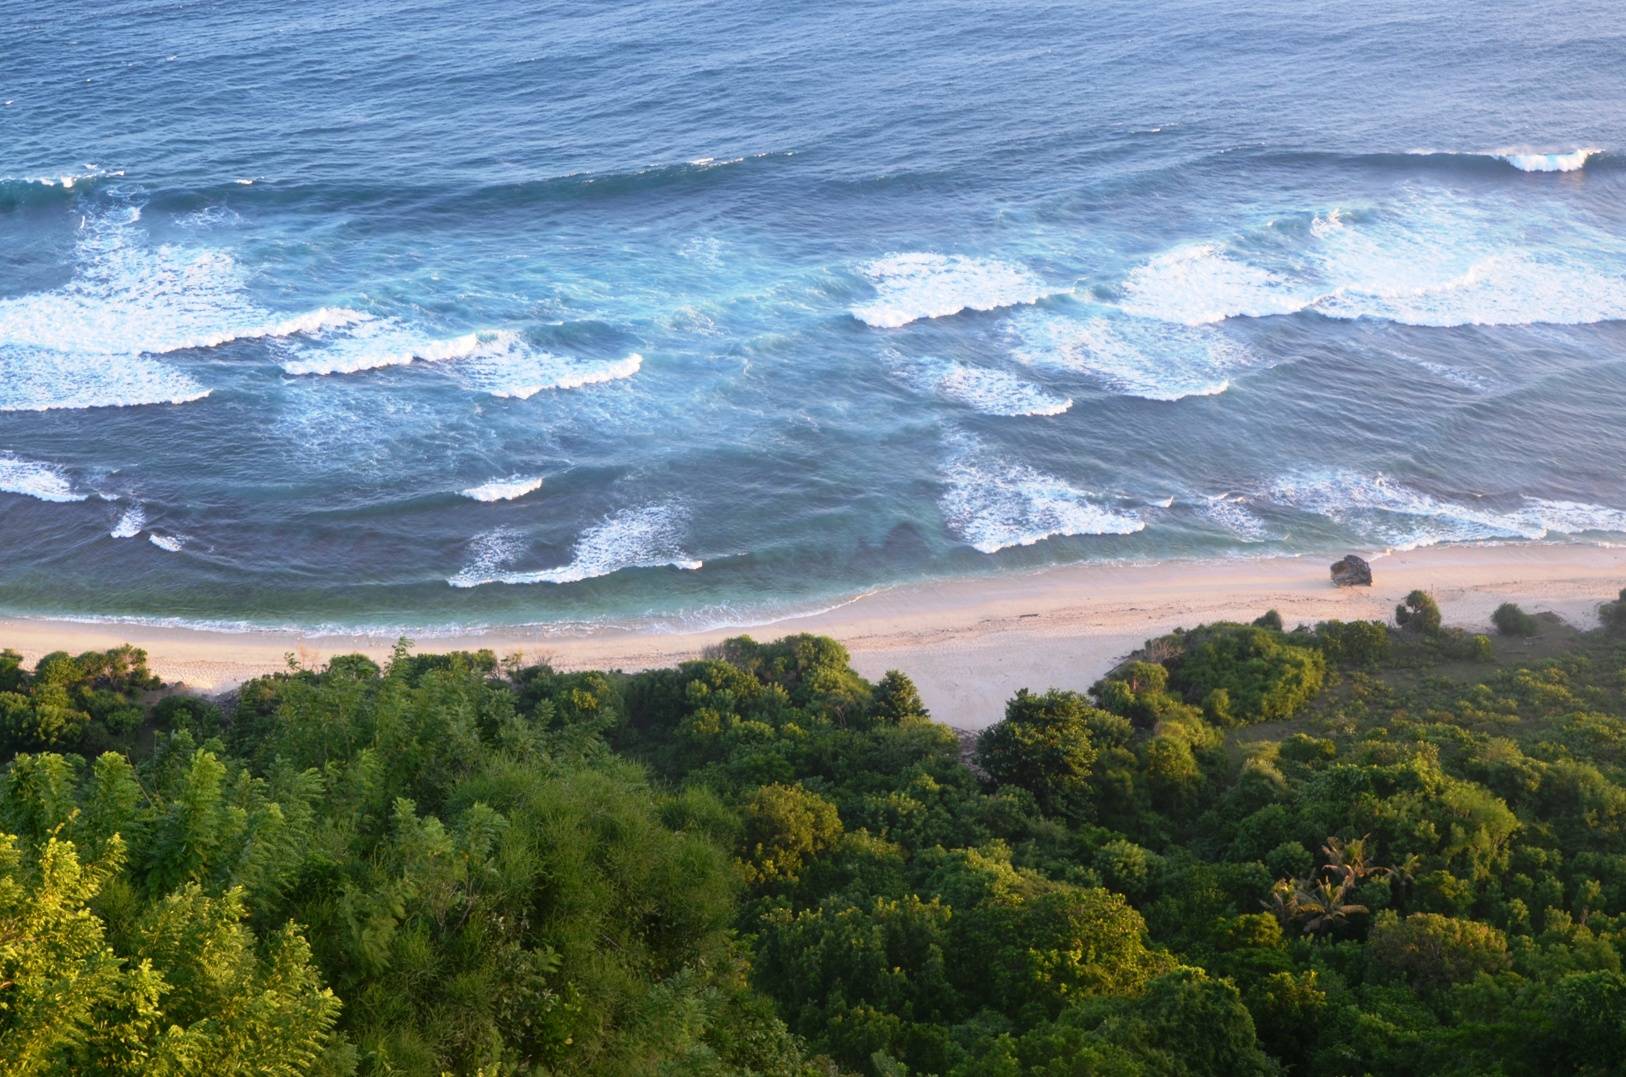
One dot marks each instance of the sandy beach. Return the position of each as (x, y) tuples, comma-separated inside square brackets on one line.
[(969, 643)]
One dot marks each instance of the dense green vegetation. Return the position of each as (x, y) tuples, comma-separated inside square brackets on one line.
[(1344, 849)]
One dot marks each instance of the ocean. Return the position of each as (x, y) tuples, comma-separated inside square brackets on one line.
[(398, 316)]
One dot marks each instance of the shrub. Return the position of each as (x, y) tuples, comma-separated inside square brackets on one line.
[(1510, 620), (1419, 613), (1464, 646), (895, 699), (1356, 644), (1265, 678), (1269, 619), (785, 825), (1613, 614)]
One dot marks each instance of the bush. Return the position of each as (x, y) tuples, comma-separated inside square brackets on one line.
[(1613, 614), (1264, 677), (1419, 613), (1464, 646), (785, 825), (1510, 620), (1269, 619), (1353, 644)]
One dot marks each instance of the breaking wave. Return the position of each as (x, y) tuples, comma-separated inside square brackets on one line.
[(646, 537), (130, 523), (993, 503), (508, 489), (1427, 259), (1381, 508), (36, 479), (1132, 356), (915, 286)]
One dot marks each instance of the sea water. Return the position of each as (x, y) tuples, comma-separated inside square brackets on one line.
[(398, 315)]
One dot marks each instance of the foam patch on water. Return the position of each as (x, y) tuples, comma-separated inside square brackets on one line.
[(1427, 258), (915, 286), (495, 361), (998, 392), (1404, 518), (1202, 282), (130, 523), (40, 380), (646, 537), (132, 298), (68, 180), (508, 489), (1132, 356), (1231, 512), (488, 552), (36, 479), (92, 342), (520, 373), (993, 503), (1446, 288), (374, 345), (172, 543)]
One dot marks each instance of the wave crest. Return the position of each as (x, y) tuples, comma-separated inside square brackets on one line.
[(515, 486), (992, 503), (920, 285), (646, 537), (36, 479), (1150, 359)]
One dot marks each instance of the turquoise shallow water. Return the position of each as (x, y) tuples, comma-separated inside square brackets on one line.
[(409, 315)]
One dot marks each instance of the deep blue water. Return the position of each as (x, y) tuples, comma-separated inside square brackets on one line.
[(411, 314)]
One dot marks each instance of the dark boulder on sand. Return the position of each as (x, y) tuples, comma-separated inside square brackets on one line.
[(1351, 572)]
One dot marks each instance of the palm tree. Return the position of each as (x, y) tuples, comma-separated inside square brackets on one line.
[(1325, 906), (1283, 902), (1349, 860)]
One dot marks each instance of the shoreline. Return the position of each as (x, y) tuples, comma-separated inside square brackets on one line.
[(969, 643)]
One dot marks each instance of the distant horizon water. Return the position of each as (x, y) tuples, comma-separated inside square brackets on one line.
[(698, 315)]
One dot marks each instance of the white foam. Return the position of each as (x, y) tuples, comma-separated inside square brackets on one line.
[(646, 537), (1133, 356), (998, 392), (495, 361), (68, 180), (505, 489), (36, 479), (41, 380), (92, 342), (1574, 517), (1508, 287), (130, 524), (521, 373), (1231, 512), (1428, 258), (131, 298), (910, 287), (488, 552), (1404, 518), (992, 503), (172, 543), (1563, 161), (383, 343), (1201, 283)]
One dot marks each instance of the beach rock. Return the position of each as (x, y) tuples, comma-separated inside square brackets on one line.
[(1351, 572)]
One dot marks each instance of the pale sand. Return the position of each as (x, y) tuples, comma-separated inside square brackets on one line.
[(968, 643)]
